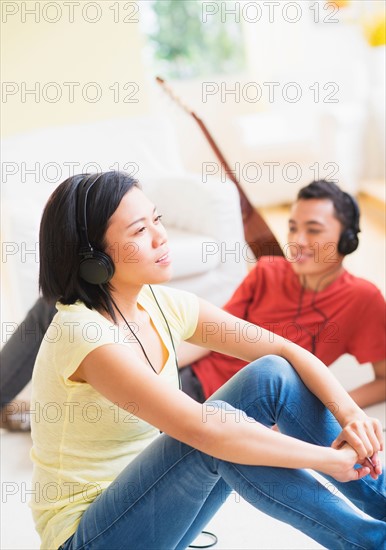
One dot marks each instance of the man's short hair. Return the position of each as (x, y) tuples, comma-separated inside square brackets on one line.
[(323, 189)]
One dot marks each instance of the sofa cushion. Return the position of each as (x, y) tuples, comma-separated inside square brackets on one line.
[(190, 253)]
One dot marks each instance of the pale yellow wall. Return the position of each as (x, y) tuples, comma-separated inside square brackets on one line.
[(105, 52)]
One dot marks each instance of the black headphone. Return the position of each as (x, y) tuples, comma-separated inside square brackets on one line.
[(348, 241), (95, 267)]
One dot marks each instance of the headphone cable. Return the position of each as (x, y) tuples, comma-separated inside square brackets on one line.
[(325, 318)]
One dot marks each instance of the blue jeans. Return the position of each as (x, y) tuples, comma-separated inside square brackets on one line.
[(166, 496)]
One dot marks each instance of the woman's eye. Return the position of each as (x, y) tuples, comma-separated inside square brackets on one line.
[(291, 229), (313, 231), (157, 219)]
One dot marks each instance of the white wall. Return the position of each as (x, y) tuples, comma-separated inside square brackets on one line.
[(37, 50), (42, 44)]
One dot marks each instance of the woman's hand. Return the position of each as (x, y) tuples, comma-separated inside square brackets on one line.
[(341, 465), (364, 435)]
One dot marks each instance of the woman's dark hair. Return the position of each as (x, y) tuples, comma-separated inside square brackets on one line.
[(60, 241), (323, 189)]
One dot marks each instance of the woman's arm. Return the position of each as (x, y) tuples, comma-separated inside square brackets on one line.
[(117, 373), (220, 331), (237, 305), (189, 353)]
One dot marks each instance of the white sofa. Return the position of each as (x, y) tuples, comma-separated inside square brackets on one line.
[(203, 219)]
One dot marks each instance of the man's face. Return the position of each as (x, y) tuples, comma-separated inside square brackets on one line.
[(313, 235)]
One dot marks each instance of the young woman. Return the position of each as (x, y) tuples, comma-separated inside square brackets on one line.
[(105, 385)]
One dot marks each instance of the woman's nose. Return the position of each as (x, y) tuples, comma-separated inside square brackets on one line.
[(159, 235)]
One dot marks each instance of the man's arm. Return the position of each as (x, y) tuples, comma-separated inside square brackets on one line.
[(372, 392)]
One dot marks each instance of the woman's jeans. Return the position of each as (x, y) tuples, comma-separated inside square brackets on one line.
[(166, 496)]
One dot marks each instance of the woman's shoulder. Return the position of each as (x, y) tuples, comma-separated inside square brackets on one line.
[(179, 307), (77, 308), (77, 313), (77, 322)]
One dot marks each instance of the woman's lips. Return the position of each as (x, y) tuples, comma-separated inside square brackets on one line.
[(164, 260)]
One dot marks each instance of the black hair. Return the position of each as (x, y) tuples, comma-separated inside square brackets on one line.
[(323, 189), (60, 242)]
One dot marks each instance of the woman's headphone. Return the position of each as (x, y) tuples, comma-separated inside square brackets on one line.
[(95, 267), (348, 241)]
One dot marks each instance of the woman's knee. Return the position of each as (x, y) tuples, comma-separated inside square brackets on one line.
[(260, 389), (271, 366), (267, 376), (271, 375)]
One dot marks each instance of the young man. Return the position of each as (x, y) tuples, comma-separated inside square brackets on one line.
[(307, 297)]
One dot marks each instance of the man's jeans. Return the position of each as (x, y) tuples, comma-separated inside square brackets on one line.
[(19, 353)]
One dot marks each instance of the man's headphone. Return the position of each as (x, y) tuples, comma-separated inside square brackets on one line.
[(348, 241), (95, 267)]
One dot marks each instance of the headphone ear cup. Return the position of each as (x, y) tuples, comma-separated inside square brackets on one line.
[(96, 268), (348, 242)]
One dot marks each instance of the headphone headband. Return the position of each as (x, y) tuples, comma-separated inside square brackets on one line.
[(95, 267), (84, 187)]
